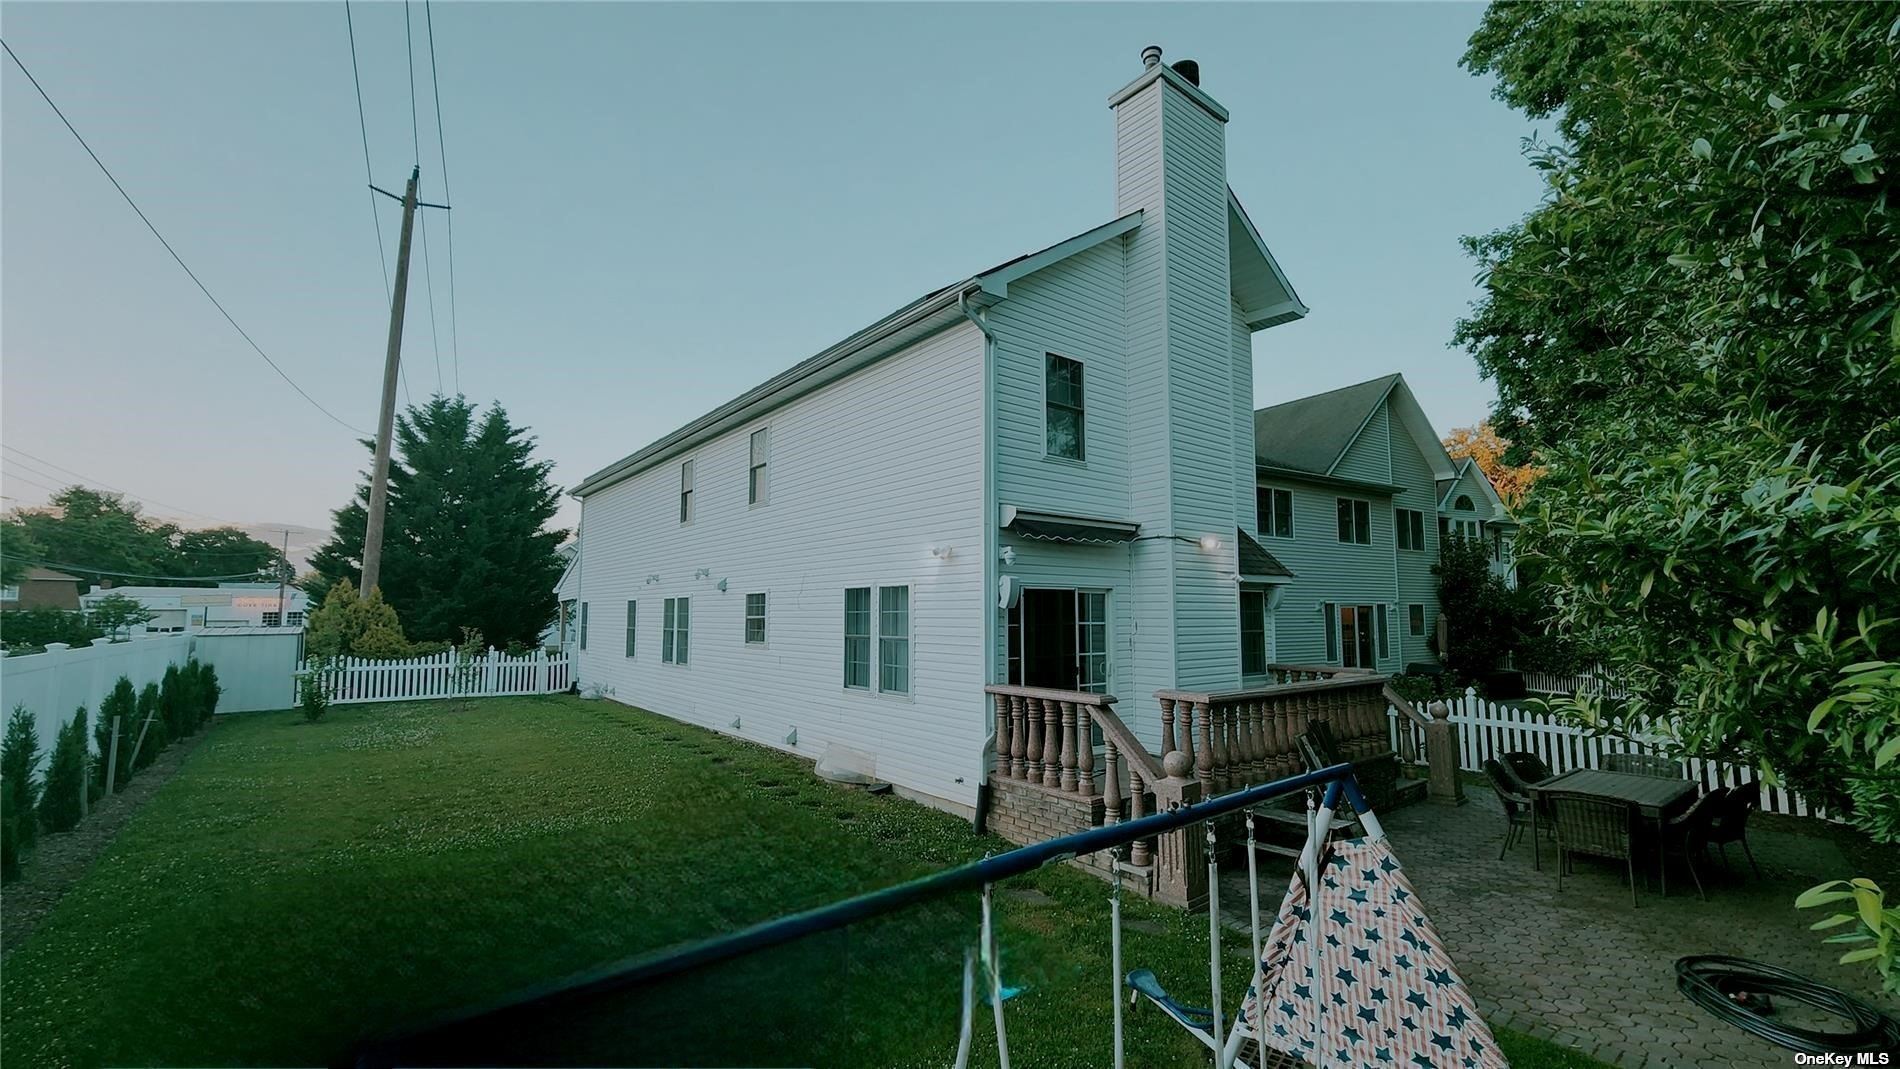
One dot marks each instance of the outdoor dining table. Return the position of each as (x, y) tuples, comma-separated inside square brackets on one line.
[(1654, 798)]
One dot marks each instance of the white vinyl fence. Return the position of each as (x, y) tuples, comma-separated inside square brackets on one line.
[(55, 684), (1584, 682), (494, 674), (1489, 729)]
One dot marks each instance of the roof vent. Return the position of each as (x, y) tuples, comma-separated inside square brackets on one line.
[(1151, 56), (1188, 69)]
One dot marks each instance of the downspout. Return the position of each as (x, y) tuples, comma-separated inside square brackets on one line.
[(976, 316)]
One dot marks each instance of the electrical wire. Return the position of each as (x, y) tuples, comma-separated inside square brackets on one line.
[(369, 175), (1714, 982), (415, 144), (101, 484), (442, 148), (215, 303), (136, 575)]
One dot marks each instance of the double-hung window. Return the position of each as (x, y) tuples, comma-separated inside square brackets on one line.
[(1355, 521), (1276, 511), (877, 625), (686, 491), (1253, 632), (676, 622), (755, 619), (632, 619), (583, 625), (1415, 619), (1411, 528), (761, 447), (1062, 407)]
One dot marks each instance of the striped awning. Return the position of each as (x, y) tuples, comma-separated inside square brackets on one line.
[(1049, 527)]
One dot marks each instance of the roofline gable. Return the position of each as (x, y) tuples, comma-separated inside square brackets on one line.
[(995, 282), (1363, 424), (1284, 311)]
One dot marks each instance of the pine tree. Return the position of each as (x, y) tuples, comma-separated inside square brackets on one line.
[(466, 540), (61, 804), (121, 705), (19, 790)]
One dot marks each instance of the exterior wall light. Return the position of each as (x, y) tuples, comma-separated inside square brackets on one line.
[(1210, 543), (942, 553)]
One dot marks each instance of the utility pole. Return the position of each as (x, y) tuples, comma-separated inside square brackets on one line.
[(283, 576), (386, 419)]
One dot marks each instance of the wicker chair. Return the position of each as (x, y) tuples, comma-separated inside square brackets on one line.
[(1642, 764), (1730, 822), (1517, 804), (1595, 827), (1527, 766), (1688, 831)]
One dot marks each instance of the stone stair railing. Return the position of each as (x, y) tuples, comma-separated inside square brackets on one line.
[(1242, 737)]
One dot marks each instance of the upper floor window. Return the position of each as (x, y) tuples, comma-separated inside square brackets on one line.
[(1276, 511), (755, 619), (676, 621), (755, 473), (1411, 528), (1062, 407), (1463, 503), (686, 492), (1355, 521)]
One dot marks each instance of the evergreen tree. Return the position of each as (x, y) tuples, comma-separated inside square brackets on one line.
[(466, 539), (19, 790), (122, 703), (60, 804)]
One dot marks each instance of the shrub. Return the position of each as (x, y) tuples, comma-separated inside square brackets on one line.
[(119, 711), (346, 624), (61, 803), (313, 690), (151, 708), (32, 629), (209, 691), (19, 790)]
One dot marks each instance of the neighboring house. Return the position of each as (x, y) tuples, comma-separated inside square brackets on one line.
[(42, 588), (1469, 505), (1356, 495), (196, 608), (565, 630), (1044, 473)]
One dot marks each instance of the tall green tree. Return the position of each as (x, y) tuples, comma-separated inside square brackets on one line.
[(1695, 333), (466, 540), (93, 534)]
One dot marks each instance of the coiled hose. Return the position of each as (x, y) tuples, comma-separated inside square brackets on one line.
[(1731, 988)]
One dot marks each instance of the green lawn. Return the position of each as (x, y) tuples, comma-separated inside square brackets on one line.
[(299, 887)]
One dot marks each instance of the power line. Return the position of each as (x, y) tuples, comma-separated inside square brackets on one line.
[(369, 175), (103, 485), (441, 144), (168, 245), (137, 575), (415, 144)]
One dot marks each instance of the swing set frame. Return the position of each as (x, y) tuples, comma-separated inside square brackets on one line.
[(522, 1007)]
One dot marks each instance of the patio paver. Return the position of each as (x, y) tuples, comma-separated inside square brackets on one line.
[(1582, 968)]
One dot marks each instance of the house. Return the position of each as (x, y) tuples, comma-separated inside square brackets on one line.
[(42, 588), (196, 608), (1357, 495), (562, 633), (1042, 474)]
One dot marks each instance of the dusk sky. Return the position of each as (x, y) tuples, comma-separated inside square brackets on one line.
[(658, 206)]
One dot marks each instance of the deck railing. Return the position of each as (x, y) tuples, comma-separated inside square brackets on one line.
[(1248, 736)]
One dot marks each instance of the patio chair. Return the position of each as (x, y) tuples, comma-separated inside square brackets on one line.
[(1730, 823), (1527, 766), (1689, 832), (1517, 803), (1642, 764), (1595, 827)]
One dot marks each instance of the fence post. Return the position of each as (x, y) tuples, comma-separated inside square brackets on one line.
[(540, 669), (112, 759), (1441, 754)]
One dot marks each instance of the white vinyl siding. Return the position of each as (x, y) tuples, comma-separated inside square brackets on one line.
[(865, 474)]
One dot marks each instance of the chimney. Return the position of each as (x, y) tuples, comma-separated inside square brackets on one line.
[(1190, 70)]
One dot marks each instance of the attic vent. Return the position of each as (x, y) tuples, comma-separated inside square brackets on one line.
[(1188, 69)]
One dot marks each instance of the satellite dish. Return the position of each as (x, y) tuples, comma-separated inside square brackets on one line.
[(1009, 590)]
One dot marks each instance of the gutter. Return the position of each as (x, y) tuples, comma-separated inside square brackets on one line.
[(980, 819)]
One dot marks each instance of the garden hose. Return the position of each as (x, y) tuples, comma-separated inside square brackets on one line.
[(1734, 989)]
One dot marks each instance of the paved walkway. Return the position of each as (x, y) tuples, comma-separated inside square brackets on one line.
[(1584, 969)]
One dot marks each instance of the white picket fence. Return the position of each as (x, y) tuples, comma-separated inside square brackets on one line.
[(1488, 730), (1584, 682), (493, 675)]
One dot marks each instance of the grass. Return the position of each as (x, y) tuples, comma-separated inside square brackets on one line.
[(300, 887)]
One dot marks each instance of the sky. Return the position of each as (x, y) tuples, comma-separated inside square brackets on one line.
[(657, 207)]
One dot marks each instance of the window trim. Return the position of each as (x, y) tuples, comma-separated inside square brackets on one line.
[(1260, 522), (689, 477), (671, 631), (1416, 610), (583, 626), (633, 620), (746, 618), (874, 684), (1361, 511), (1080, 409), (758, 485), (1408, 529), (869, 636)]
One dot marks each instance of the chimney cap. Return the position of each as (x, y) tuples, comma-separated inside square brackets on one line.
[(1188, 69), (1151, 56)]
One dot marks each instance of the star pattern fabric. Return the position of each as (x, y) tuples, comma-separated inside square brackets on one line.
[(1388, 995)]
